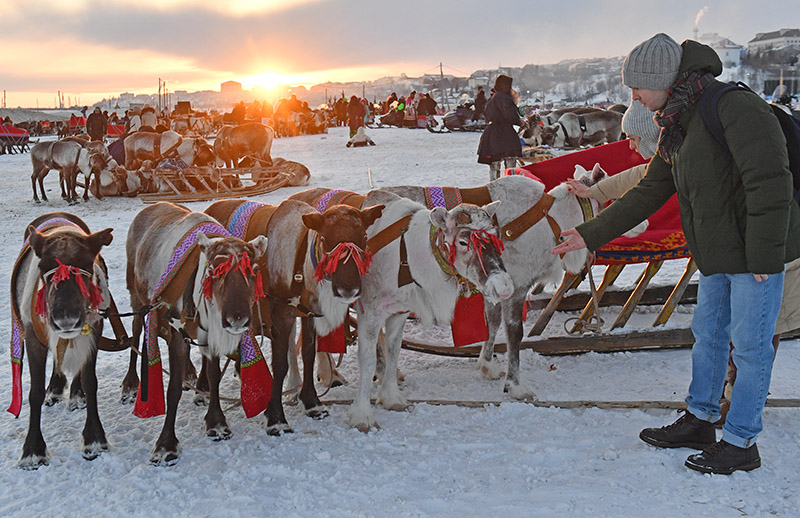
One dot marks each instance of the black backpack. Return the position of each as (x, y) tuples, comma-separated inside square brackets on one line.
[(789, 125)]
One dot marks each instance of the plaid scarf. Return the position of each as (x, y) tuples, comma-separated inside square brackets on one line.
[(688, 88)]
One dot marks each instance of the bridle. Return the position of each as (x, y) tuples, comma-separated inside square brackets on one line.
[(84, 279), (241, 262), (329, 262)]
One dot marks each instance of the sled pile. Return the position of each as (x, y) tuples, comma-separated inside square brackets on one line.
[(212, 183)]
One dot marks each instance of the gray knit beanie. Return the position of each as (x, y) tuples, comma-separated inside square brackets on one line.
[(638, 121), (653, 64)]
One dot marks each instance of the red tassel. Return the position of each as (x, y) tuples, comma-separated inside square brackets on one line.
[(343, 252), (207, 286), (469, 320), (256, 388), (154, 406), (333, 342), (259, 294), (16, 389), (41, 302)]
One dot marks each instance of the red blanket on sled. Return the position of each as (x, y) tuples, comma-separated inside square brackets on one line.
[(663, 238)]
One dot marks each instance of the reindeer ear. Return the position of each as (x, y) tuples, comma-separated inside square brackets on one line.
[(369, 215), (598, 173), (439, 217), (36, 241), (491, 208), (260, 245), (313, 221), (98, 240), (579, 172), (203, 241)]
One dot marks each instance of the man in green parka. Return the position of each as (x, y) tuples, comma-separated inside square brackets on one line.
[(741, 224)]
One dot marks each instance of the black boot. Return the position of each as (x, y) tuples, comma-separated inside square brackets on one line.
[(687, 432), (724, 458)]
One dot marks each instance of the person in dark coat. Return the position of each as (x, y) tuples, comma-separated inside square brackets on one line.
[(480, 104), (355, 114), (500, 145), (741, 224), (96, 125)]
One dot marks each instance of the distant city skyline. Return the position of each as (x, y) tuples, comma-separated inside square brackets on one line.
[(91, 49)]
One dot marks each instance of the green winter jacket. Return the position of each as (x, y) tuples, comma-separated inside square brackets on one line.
[(736, 209)]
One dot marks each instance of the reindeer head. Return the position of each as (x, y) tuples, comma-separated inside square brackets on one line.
[(203, 153), (342, 238), (66, 268), (474, 247), (569, 214), (549, 134), (231, 281)]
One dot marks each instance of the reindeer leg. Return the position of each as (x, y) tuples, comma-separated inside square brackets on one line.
[(487, 363), (282, 321), (62, 183), (55, 389), (512, 314), (77, 395), (201, 399), (94, 437), (34, 450), (389, 396), (130, 383), (33, 184), (293, 381), (167, 449), (308, 394), (190, 374), (360, 415), (216, 425)]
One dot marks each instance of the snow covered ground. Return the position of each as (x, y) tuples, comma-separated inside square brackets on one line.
[(509, 459)]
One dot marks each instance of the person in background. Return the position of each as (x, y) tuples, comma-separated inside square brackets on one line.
[(741, 225), (96, 125), (480, 104), (500, 145), (355, 114)]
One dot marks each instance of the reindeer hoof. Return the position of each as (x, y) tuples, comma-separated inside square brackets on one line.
[(219, 433), (93, 450), (200, 400), (128, 397), (317, 413), (519, 392), (279, 429), (52, 398), (32, 462), (77, 402), (164, 458)]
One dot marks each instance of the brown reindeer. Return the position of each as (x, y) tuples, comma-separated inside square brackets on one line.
[(184, 268), (58, 286), (252, 139), (315, 262)]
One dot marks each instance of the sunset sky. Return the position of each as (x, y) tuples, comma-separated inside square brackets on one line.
[(99, 48)]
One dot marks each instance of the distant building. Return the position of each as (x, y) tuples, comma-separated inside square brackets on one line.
[(770, 40), (729, 52), (231, 88)]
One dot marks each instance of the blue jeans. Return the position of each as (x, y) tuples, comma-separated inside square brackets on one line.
[(734, 308)]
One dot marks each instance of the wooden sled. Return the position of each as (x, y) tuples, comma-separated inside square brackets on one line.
[(212, 183)]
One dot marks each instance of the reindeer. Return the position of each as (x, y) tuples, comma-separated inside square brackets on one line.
[(69, 158), (251, 139), (315, 268), (59, 285), (421, 259), (208, 279), (526, 256)]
